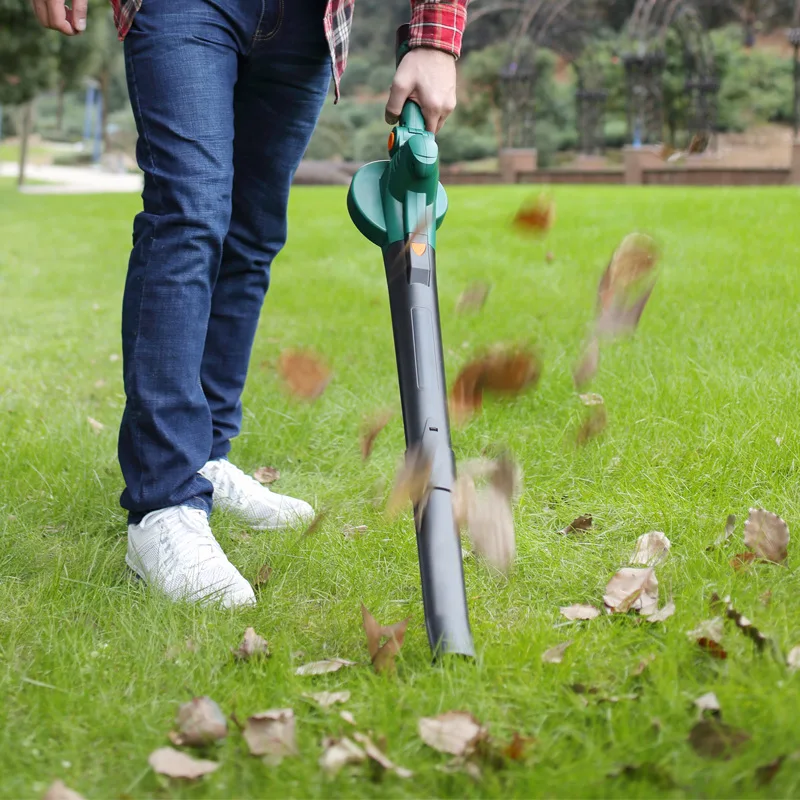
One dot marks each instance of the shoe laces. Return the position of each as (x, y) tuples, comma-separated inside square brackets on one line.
[(201, 544), (235, 483)]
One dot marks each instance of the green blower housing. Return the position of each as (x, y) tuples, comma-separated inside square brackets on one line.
[(398, 205)]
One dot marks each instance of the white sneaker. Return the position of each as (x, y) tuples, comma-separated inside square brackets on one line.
[(174, 550), (260, 508)]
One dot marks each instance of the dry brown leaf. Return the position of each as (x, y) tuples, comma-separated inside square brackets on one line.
[(174, 764), (466, 396), (516, 749), (536, 215), (271, 733), (252, 645), (712, 738), (412, 482), (742, 561), (767, 535), (580, 611), (354, 531), (315, 523), (383, 655), (322, 667), (264, 574), (592, 425), (708, 702), (348, 717), (708, 634), (305, 374), (793, 659), (632, 589), (724, 605), (58, 790), (663, 613), (490, 525), (266, 475), (473, 298), (378, 757), (454, 732), (766, 772), (338, 753), (643, 664), (651, 549), (555, 655), (200, 722), (373, 426), (586, 368), (578, 525), (327, 699), (96, 426), (730, 526), (626, 285)]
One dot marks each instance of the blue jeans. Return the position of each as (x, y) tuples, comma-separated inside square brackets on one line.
[(226, 94)]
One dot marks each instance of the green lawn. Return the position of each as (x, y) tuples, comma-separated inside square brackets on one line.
[(696, 400)]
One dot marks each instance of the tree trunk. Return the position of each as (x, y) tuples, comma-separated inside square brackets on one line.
[(60, 108), (27, 124)]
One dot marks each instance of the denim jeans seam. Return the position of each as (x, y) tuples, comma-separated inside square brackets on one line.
[(146, 270), (259, 37), (258, 25)]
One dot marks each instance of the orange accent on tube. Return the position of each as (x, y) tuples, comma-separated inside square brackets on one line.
[(419, 248), (390, 143)]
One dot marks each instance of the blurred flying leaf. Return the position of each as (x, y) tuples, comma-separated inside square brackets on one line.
[(473, 297), (586, 368), (555, 655), (412, 481), (651, 549), (96, 426), (372, 427), (592, 425), (383, 655), (305, 374), (536, 215), (58, 790)]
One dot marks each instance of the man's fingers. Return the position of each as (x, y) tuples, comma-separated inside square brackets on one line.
[(398, 95), (77, 15), (40, 9), (57, 17)]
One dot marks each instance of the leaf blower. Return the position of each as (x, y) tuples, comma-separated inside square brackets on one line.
[(398, 205)]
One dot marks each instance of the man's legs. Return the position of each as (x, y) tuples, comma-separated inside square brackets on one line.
[(282, 86), (182, 63)]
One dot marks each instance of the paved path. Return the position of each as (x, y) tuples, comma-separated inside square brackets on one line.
[(72, 180)]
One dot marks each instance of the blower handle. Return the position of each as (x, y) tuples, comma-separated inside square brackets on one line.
[(411, 115)]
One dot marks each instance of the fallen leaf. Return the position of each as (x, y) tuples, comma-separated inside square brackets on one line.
[(712, 738), (378, 757), (708, 634), (174, 764), (321, 667), (354, 531), (517, 748), (99, 384), (730, 526), (536, 216), (348, 717), (592, 425), (454, 732), (793, 659), (591, 399), (304, 373), (742, 560), (555, 655), (580, 611), (766, 772), (586, 368), (338, 753), (200, 722), (663, 613), (327, 699), (708, 702), (252, 645), (412, 482), (383, 655), (578, 525), (626, 285), (266, 475), (96, 426), (643, 664), (271, 733), (373, 427), (725, 606), (264, 574), (651, 549), (473, 297), (315, 523), (549, 257), (767, 535), (632, 589), (58, 790)]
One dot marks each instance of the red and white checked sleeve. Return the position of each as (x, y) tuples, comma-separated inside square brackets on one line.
[(439, 24)]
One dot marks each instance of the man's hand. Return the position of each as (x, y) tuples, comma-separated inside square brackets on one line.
[(57, 15), (428, 77)]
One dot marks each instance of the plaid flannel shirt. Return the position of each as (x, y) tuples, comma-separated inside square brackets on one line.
[(434, 23)]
